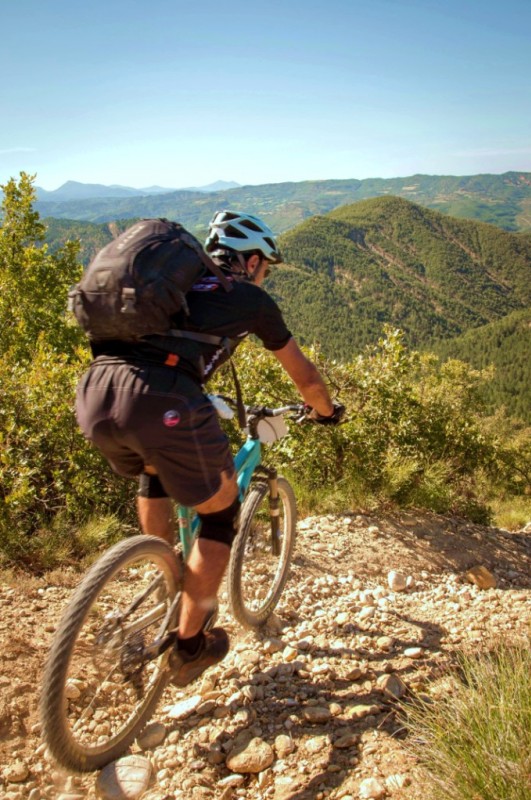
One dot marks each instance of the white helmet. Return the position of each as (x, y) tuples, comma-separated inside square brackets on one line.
[(242, 233)]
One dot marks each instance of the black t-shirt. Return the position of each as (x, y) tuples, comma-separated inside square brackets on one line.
[(247, 309)]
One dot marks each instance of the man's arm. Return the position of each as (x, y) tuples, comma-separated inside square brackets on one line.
[(306, 378)]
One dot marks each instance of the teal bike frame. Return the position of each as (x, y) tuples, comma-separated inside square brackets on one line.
[(246, 461)]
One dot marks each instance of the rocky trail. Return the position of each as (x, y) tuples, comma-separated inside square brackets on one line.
[(371, 618)]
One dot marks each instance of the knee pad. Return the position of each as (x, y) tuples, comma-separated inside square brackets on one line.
[(221, 526), (150, 486)]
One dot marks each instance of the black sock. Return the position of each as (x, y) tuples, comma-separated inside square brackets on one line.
[(191, 645)]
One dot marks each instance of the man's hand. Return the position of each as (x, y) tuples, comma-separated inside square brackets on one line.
[(334, 419)]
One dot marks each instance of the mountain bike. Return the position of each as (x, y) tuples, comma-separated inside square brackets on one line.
[(108, 664)]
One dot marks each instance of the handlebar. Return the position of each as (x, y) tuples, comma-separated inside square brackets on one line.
[(299, 410), (264, 411)]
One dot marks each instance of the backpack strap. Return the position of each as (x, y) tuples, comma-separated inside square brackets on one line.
[(191, 242), (224, 342), (204, 338)]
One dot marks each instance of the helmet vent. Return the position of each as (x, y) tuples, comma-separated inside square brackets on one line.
[(230, 230), (248, 223)]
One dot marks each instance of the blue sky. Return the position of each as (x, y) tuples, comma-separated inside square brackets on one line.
[(180, 94)]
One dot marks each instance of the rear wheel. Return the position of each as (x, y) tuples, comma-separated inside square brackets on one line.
[(256, 575), (100, 687)]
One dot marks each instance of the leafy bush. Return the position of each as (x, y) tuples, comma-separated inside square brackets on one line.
[(51, 479), (415, 433)]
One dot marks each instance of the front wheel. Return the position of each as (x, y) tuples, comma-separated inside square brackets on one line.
[(102, 682), (258, 570)]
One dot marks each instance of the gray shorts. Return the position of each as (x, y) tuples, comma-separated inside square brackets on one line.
[(148, 414)]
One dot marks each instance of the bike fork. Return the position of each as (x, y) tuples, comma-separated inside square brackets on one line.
[(274, 511)]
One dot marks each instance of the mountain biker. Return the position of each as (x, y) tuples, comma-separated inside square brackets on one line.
[(143, 405)]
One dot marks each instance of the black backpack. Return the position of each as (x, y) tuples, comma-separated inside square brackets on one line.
[(137, 282)]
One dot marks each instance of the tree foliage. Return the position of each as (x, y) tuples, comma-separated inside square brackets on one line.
[(33, 283), (47, 470)]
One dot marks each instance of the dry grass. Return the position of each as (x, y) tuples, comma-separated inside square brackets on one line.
[(475, 744)]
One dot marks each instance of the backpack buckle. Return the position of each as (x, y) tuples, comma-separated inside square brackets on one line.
[(128, 300), (71, 302)]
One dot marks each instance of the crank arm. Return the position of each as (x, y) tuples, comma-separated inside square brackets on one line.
[(159, 646)]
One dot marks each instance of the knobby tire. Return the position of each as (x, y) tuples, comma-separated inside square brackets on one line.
[(114, 571), (256, 577)]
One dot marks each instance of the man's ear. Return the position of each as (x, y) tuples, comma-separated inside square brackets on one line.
[(252, 264)]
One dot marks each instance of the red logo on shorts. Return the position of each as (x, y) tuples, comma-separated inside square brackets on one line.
[(171, 418)]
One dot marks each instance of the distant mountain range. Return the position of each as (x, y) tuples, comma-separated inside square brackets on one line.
[(504, 200), (73, 190)]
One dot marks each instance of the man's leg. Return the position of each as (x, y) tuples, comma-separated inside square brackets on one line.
[(207, 563), (155, 508), (197, 649), (208, 559)]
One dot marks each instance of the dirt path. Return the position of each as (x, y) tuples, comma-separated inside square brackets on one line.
[(314, 689)]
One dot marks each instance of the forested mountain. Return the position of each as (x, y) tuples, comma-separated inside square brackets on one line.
[(504, 344), (91, 236), (389, 260), (504, 200)]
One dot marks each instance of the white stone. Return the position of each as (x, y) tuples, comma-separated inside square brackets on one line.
[(72, 691), (316, 744), (70, 796), (185, 707), (371, 789), (125, 779), (232, 780), (284, 745), (397, 581), (289, 653), (394, 782), (16, 772)]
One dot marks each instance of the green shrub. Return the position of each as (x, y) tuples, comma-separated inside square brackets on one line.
[(51, 479), (415, 435), (48, 471)]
